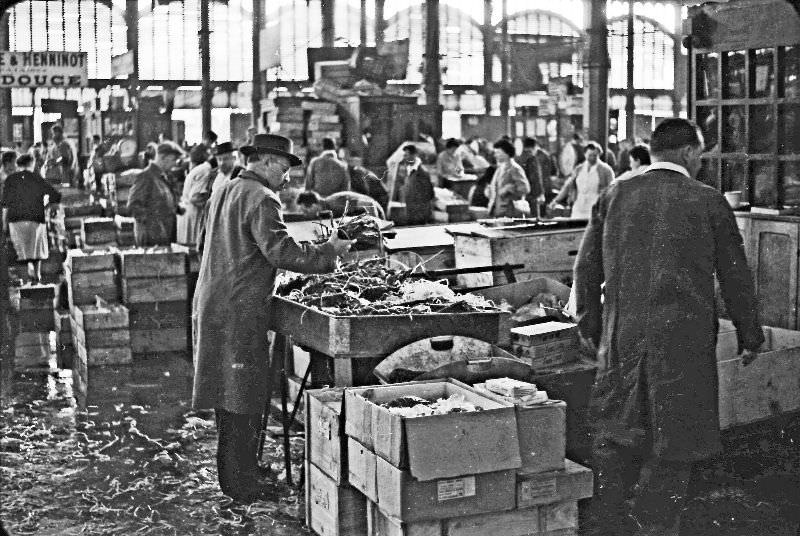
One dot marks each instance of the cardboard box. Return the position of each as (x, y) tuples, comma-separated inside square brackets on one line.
[(326, 444), (407, 499), (333, 510), (362, 465), (425, 445), (546, 344), (572, 483), (765, 388), (379, 524), (539, 520), (542, 430)]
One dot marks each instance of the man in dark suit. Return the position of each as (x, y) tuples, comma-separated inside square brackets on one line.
[(152, 202), (530, 165), (657, 241), (418, 189)]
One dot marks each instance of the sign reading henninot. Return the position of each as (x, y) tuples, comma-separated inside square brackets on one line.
[(44, 69)]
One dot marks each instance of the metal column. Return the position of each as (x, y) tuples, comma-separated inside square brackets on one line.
[(505, 59), (255, 98), (488, 54), (328, 8), (380, 24), (433, 73), (205, 67), (630, 93), (596, 74)]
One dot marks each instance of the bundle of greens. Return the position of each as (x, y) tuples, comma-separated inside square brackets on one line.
[(371, 288)]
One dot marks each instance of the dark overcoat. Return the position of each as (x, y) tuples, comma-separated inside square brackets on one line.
[(246, 243), (153, 205), (657, 241)]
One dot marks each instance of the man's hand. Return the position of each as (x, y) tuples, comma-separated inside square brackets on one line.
[(748, 356), (340, 247)]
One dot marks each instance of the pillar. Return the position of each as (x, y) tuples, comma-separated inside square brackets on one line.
[(488, 54), (679, 65), (205, 67), (630, 92), (328, 8), (6, 121), (433, 73), (595, 70), (505, 59), (132, 41), (255, 97), (362, 28), (380, 24)]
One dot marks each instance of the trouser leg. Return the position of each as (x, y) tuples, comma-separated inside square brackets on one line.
[(660, 495), (237, 449)]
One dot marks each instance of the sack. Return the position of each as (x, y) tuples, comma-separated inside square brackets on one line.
[(522, 205)]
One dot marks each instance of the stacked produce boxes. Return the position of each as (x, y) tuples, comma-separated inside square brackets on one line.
[(154, 288), (323, 122), (497, 469), (34, 306), (98, 233), (547, 344), (126, 231), (91, 274)]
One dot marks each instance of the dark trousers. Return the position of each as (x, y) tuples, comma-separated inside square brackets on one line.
[(237, 453), (635, 491)]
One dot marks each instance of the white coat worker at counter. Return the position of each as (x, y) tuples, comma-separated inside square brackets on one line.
[(586, 183)]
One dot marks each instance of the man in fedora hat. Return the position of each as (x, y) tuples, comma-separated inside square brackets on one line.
[(246, 243), (227, 167)]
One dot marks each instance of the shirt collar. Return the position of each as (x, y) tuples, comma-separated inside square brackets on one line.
[(670, 166), (414, 166)]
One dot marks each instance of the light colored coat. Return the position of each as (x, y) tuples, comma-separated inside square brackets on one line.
[(246, 243), (193, 201)]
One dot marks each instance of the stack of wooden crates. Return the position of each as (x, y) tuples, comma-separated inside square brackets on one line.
[(98, 233), (34, 306), (154, 288), (323, 122), (496, 471)]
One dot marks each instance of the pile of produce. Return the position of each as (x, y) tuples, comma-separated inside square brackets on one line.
[(414, 406), (371, 288), (542, 305), (364, 229)]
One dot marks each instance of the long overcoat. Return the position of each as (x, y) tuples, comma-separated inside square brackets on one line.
[(153, 205), (246, 243), (657, 241)]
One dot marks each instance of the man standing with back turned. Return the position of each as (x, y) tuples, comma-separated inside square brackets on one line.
[(657, 241), (245, 244)]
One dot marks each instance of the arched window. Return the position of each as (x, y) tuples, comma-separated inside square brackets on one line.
[(460, 43), (652, 54)]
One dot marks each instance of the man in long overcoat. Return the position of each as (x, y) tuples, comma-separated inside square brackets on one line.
[(246, 243), (657, 241), (151, 200)]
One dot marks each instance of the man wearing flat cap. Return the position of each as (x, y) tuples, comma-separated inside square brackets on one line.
[(245, 244)]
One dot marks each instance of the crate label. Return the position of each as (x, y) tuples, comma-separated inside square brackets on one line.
[(324, 428), (321, 498), (455, 488), (540, 487)]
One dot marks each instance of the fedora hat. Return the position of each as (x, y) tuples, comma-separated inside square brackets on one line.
[(224, 147), (271, 144)]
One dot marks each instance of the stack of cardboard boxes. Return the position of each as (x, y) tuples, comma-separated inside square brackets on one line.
[(500, 470)]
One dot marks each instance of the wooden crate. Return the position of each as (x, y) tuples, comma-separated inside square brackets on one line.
[(326, 443), (85, 287), (154, 341), (155, 289), (407, 499), (101, 338), (35, 320), (572, 483), (65, 350), (377, 336), (425, 444), (98, 231), (159, 315), (92, 317), (36, 297), (362, 466), (79, 261), (96, 357), (544, 254), (31, 349), (153, 262), (333, 510), (766, 388)]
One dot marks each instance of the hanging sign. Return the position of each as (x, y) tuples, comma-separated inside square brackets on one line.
[(44, 69), (122, 65)]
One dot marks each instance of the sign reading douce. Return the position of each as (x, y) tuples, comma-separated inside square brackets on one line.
[(44, 69)]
